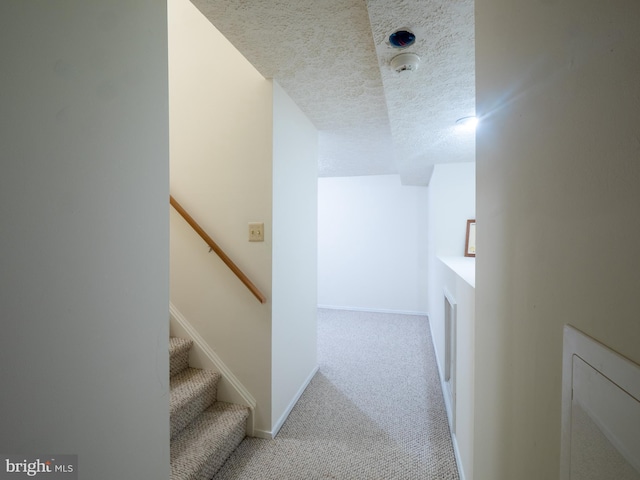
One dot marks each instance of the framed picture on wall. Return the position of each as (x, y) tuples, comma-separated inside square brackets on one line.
[(470, 242)]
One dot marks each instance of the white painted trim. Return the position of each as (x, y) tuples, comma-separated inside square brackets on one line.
[(373, 310), (614, 367), (447, 406), (629, 454), (450, 357), (202, 355), (266, 434), (278, 425), (456, 452)]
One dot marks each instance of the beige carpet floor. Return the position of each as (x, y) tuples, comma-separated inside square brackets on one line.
[(374, 411)]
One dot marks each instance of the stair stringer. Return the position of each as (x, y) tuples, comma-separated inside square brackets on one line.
[(201, 355)]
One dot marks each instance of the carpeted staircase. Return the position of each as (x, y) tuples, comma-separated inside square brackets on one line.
[(204, 431)]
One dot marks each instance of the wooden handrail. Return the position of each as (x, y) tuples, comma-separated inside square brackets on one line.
[(223, 256)]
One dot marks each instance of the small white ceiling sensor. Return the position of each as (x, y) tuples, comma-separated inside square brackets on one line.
[(405, 62)]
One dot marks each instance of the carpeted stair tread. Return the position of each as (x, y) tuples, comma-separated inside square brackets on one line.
[(192, 391), (178, 354), (203, 446)]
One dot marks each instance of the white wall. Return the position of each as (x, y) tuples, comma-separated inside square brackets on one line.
[(221, 118), (295, 211), (372, 244), (452, 201), (558, 86), (84, 236)]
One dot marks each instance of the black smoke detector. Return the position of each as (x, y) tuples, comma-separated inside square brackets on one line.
[(402, 39)]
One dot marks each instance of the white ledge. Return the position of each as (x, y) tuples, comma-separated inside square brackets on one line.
[(464, 267)]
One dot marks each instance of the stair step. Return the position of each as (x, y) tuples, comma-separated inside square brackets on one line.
[(178, 354), (192, 391), (199, 451)]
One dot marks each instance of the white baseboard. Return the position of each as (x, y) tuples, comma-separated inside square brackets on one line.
[(458, 459), (372, 310), (230, 389), (267, 435), (278, 425)]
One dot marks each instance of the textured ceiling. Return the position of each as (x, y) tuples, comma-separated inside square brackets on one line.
[(332, 58)]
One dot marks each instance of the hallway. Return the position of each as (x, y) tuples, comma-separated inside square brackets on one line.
[(373, 411)]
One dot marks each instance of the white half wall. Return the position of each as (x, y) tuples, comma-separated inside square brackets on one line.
[(558, 166), (372, 244), (221, 115), (295, 254), (463, 293), (452, 201), (84, 241)]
